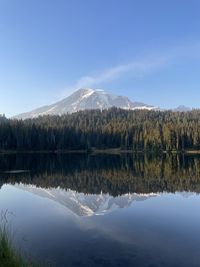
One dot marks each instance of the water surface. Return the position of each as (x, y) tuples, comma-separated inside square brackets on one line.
[(80, 210)]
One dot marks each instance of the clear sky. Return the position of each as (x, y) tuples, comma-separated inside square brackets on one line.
[(148, 50)]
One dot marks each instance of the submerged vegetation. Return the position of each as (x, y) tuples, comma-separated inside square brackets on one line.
[(138, 130)]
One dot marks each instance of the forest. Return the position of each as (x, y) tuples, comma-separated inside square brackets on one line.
[(96, 174), (138, 130)]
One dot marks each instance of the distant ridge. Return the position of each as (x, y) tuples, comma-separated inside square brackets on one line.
[(182, 109)]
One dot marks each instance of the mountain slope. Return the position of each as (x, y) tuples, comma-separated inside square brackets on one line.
[(85, 99), (85, 204)]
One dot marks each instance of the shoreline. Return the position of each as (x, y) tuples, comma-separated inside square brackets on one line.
[(99, 151)]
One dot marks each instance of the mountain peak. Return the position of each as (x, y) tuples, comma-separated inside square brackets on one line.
[(86, 98), (85, 90), (90, 91)]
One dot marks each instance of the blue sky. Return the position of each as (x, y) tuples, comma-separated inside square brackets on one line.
[(146, 50)]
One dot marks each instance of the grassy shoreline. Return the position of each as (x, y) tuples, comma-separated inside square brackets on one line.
[(10, 256)]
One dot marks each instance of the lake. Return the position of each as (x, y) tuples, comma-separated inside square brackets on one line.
[(103, 210)]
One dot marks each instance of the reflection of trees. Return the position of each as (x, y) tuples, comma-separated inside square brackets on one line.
[(110, 174)]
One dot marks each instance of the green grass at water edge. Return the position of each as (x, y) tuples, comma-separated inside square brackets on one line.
[(9, 255)]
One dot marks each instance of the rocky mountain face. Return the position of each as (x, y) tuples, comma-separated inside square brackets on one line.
[(86, 99)]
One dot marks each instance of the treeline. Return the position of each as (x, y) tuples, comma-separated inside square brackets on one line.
[(138, 130), (114, 174)]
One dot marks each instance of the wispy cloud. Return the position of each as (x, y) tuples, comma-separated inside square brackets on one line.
[(135, 69)]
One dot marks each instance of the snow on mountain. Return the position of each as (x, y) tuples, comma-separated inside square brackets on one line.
[(85, 204), (83, 99)]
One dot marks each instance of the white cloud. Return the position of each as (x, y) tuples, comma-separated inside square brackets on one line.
[(135, 68)]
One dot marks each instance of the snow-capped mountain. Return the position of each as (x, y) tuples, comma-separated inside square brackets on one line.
[(85, 204), (83, 99)]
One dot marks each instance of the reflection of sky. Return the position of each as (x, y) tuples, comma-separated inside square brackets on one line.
[(159, 229)]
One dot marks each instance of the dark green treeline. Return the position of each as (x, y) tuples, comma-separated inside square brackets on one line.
[(113, 174), (114, 128)]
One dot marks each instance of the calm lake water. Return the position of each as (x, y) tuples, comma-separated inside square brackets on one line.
[(111, 210)]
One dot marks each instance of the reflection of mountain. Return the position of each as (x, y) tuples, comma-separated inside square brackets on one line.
[(186, 194), (112, 174), (85, 204)]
